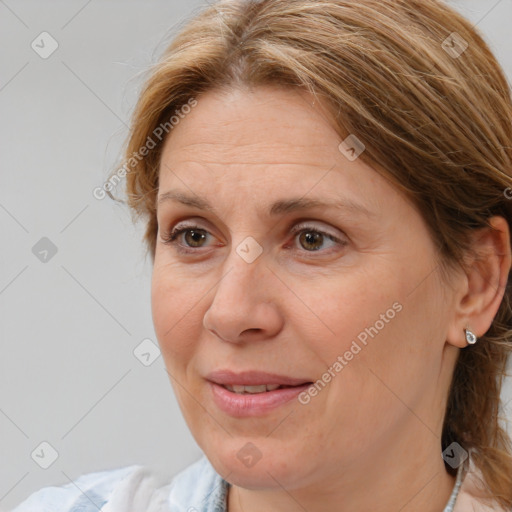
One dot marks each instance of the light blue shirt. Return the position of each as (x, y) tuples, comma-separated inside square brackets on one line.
[(198, 488)]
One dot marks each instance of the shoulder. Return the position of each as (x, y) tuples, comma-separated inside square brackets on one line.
[(91, 491), (472, 495), (197, 488)]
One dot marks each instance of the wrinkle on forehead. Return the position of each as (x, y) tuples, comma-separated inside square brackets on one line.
[(247, 129)]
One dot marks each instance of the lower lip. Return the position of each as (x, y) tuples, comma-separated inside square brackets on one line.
[(256, 404)]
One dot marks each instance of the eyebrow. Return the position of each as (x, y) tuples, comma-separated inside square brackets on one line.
[(280, 207)]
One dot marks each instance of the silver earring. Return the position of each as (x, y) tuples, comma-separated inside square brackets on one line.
[(470, 337)]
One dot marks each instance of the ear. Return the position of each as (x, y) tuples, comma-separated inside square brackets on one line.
[(484, 281)]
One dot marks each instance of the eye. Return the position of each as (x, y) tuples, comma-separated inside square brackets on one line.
[(193, 235), (312, 238)]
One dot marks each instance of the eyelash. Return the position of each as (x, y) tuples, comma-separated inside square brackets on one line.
[(171, 237)]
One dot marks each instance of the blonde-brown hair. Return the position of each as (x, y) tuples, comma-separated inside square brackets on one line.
[(435, 116)]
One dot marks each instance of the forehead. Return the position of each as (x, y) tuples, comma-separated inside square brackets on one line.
[(266, 141), (242, 123)]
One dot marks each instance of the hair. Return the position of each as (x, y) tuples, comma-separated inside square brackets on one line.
[(437, 124)]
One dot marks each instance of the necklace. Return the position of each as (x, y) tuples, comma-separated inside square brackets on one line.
[(456, 489)]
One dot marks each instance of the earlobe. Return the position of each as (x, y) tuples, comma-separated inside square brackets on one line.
[(485, 281)]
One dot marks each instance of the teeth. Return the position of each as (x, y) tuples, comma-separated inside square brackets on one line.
[(252, 389)]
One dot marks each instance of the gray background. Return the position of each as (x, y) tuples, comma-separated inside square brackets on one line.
[(69, 325)]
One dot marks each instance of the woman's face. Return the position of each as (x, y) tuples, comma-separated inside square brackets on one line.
[(347, 296)]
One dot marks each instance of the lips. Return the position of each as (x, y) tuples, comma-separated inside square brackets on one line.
[(263, 388), (253, 393), (254, 378)]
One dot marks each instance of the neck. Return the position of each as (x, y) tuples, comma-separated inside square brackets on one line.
[(407, 476)]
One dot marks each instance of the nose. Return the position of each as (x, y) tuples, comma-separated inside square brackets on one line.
[(245, 306)]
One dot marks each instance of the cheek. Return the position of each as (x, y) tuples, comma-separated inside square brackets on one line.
[(175, 309), (398, 356), (374, 323), (346, 310)]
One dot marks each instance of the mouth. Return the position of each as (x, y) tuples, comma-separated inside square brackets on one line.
[(255, 390), (252, 379), (253, 393)]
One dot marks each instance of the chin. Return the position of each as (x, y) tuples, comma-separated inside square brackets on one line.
[(253, 464)]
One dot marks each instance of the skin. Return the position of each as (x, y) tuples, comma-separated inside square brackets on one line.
[(371, 439)]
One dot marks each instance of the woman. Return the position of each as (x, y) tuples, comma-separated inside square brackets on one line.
[(326, 189)]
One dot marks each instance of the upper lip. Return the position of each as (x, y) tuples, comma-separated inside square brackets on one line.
[(252, 378)]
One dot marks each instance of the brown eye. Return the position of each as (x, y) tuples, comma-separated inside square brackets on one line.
[(194, 237), (311, 240)]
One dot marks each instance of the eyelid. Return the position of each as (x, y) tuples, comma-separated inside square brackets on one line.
[(301, 225), (171, 236), (293, 228)]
